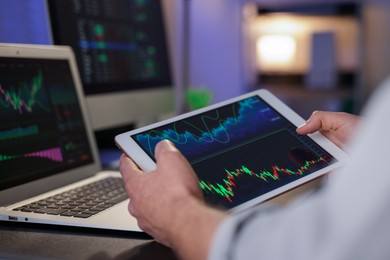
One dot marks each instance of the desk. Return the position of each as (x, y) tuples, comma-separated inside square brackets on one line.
[(27, 241), (24, 241)]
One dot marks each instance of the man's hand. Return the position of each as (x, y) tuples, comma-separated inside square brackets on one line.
[(168, 203), (337, 126), (155, 197)]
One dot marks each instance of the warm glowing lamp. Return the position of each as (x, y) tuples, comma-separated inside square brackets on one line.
[(276, 49)]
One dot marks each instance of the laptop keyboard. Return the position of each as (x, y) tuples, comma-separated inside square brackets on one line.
[(81, 202)]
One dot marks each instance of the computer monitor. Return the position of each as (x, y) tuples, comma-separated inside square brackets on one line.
[(122, 54)]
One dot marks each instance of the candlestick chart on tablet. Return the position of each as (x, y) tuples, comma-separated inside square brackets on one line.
[(240, 151)]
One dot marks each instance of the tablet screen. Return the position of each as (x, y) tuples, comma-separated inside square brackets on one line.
[(240, 151)]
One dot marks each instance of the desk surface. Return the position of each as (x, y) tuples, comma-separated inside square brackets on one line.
[(24, 241), (29, 241)]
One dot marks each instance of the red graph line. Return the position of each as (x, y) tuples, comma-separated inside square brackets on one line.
[(53, 154), (14, 99)]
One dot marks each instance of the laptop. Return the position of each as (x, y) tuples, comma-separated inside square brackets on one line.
[(50, 171)]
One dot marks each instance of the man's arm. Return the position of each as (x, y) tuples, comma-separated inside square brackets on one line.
[(168, 203)]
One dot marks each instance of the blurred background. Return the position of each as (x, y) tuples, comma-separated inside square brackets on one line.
[(323, 54)]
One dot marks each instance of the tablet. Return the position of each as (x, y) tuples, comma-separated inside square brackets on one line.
[(244, 150)]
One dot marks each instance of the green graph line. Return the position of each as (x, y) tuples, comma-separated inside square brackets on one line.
[(14, 98), (225, 188)]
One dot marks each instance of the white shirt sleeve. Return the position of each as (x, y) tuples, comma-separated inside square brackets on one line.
[(347, 219)]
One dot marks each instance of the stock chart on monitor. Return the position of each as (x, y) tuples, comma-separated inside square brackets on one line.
[(240, 151), (42, 130), (119, 45)]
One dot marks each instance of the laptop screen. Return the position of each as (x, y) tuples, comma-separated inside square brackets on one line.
[(42, 130)]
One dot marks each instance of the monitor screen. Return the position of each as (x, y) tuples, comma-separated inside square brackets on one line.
[(41, 120), (122, 55)]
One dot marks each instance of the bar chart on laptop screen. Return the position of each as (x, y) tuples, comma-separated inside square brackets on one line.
[(41, 127), (240, 151)]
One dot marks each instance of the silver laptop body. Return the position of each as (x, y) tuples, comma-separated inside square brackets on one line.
[(47, 146)]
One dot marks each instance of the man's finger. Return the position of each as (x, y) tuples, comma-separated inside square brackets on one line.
[(317, 121), (128, 167), (164, 145)]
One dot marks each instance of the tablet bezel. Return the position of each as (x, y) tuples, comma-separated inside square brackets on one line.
[(130, 147)]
